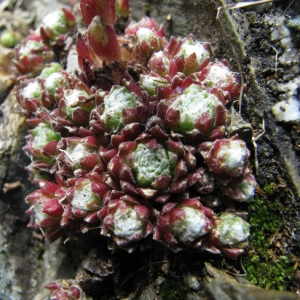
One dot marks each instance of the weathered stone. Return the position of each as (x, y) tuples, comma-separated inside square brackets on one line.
[(220, 289), (223, 286)]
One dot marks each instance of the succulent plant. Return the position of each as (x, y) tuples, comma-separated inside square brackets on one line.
[(194, 113), (119, 107), (65, 290), (134, 143), (125, 221), (56, 24), (78, 156), (83, 198), (145, 22), (185, 222), (45, 210), (241, 188), (9, 38), (32, 54), (219, 76), (225, 156), (190, 55), (152, 170), (229, 234), (38, 93)]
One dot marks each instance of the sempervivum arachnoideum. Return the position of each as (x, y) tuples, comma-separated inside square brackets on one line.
[(218, 75), (32, 54), (125, 221), (228, 158), (83, 198), (42, 148), (241, 188), (75, 104), (45, 209), (78, 156), (147, 37), (183, 223), (194, 113), (65, 290), (229, 235), (119, 107), (189, 54), (152, 170), (56, 25), (37, 94), (133, 141)]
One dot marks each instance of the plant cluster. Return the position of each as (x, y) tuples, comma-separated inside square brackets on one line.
[(135, 144)]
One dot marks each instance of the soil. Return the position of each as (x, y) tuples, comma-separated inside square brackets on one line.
[(253, 41)]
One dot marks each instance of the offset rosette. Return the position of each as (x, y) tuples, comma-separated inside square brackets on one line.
[(183, 224), (36, 94), (219, 76), (32, 54), (65, 290), (152, 170), (151, 82), (56, 25), (83, 199), (145, 22), (75, 103), (147, 42), (42, 148), (55, 81), (148, 37), (119, 108), (45, 209), (161, 63), (205, 181), (31, 97), (228, 160), (195, 114), (241, 188), (189, 54), (125, 221), (229, 235), (78, 156), (75, 106), (226, 157)]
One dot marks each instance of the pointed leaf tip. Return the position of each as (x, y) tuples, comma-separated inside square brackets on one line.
[(103, 40), (102, 8)]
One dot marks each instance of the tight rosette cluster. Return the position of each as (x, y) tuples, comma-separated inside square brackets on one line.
[(65, 290), (134, 144)]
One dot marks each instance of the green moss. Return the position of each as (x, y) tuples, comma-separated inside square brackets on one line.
[(266, 266), (39, 251), (172, 289), (270, 188)]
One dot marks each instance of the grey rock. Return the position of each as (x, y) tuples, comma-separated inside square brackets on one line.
[(221, 289)]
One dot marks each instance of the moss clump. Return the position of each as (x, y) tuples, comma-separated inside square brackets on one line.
[(268, 265), (270, 188), (172, 289)]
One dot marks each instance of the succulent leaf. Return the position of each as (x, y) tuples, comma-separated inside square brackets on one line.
[(103, 41)]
